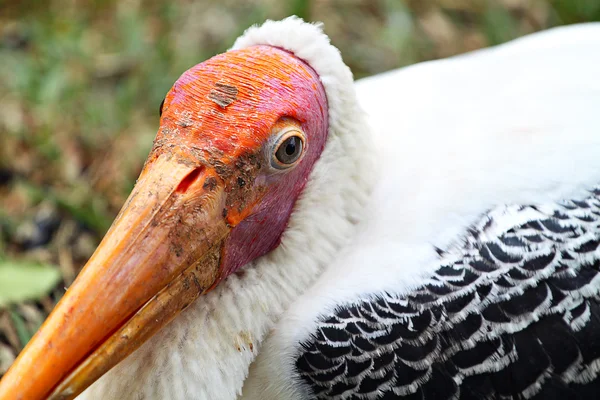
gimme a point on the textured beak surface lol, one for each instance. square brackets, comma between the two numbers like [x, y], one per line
[162, 252]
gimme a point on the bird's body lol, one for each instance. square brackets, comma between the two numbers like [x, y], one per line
[453, 139]
[445, 245]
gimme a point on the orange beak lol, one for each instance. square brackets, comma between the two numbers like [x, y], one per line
[161, 253]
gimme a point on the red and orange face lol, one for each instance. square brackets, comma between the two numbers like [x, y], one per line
[238, 137]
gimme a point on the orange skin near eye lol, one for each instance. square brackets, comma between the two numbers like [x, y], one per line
[262, 78]
[223, 113]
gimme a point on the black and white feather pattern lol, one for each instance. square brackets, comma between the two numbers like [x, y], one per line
[513, 314]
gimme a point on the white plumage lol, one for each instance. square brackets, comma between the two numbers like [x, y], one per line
[440, 144]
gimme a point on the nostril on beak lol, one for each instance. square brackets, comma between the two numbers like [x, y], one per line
[189, 180]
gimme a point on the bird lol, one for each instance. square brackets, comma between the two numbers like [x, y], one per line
[427, 233]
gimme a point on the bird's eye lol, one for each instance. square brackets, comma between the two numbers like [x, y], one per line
[288, 149]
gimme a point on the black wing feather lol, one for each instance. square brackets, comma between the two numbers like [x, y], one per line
[513, 317]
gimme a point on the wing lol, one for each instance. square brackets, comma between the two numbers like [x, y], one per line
[513, 315]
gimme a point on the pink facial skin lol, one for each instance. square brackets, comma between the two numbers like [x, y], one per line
[224, 114]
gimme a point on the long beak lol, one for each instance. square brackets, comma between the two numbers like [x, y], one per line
[161, 253]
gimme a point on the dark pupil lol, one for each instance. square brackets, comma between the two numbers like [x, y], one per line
[289, 150]
[290, 147]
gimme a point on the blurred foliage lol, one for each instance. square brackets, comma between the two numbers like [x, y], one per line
[21, 281]
[81, 83]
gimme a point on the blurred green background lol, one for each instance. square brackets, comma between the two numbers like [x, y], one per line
[81, 83]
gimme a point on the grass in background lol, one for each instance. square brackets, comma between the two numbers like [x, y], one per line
[81, 83]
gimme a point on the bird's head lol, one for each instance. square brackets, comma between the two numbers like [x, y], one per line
[239, 135]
